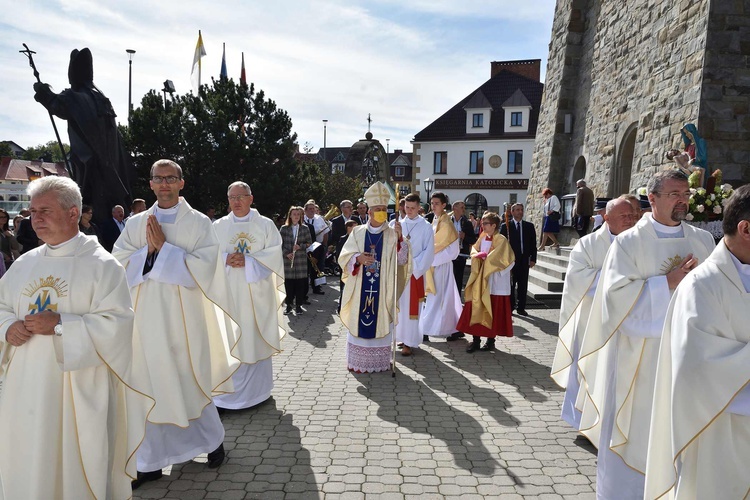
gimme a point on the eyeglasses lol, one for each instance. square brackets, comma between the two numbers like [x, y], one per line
[171, 179]
[238, 197]
[675, 195]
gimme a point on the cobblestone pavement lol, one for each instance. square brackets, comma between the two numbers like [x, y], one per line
[449, 425]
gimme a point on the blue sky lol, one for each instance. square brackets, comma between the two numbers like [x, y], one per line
[404, 62]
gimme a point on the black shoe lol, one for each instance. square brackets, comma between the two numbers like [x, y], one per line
[488, 346]
[455, 336]
[299, 310]
[307, 302]
[473, 346]
[145, 477]
[425, 338]
[216, 457]
[318, 291]
[522, 312]
[221, 410]
[288, 309]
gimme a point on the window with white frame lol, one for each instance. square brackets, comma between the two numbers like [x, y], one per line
[476, 162]
[516, 119]
[515, 161]
[441, 162]
[477, 120]
[399, 171]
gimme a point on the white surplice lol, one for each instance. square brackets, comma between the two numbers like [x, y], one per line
[421, 238]
[620, 347]
[442, 310]
[584, 266]
[257, 291]
[699, 443]
[180, 324]
[73, 408]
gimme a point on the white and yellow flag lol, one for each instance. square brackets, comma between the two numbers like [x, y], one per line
[195, 75]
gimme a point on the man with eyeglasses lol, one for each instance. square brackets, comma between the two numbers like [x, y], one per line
[620, 347]
[253, 262]
[171, 255]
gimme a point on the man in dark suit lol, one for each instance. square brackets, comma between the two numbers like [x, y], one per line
[522, 238]
[361, 215]
[112, 227]
[583, 208]
[400, 213]
[338, 224]
[466, 236]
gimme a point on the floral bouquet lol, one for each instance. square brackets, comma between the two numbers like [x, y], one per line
[708, 205]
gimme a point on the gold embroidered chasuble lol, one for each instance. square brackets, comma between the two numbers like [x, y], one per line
[181, 329]
[350, 297]
[73, 408]
[703, 369]
[257, 304]
[585, 263]
[634, 256]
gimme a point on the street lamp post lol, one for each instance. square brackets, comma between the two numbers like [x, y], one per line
[325, 158]
[428, 185]
[388, 146]
[130, 82]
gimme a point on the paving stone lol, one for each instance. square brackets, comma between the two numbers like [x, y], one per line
[450, 425]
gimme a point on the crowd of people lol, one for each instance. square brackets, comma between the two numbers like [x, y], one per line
[146, 342]
[652, 352]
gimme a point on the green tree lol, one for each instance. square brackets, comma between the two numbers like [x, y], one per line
[48, 152]
[5, 149]
[228, 132]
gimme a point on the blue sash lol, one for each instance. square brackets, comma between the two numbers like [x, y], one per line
[370, 295]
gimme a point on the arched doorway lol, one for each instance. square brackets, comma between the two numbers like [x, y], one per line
[620, 180]
[476, 203]
[579, 170]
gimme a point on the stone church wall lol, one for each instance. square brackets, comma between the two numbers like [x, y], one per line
[629, 78]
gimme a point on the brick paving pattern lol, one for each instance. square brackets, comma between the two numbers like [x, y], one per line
[450, 425]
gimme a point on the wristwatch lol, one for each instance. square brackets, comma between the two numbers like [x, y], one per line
[58, 328]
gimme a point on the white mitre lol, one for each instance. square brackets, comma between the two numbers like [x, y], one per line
[377, 194]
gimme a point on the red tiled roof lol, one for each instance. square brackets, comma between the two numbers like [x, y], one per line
[13, 169]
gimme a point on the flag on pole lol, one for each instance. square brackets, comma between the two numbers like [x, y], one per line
[243, 78]
[195, 75]
[223, 74]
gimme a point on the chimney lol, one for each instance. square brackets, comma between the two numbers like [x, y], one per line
[397, 151]
[530, 68]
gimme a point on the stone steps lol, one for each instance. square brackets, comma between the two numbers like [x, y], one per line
[547, 277]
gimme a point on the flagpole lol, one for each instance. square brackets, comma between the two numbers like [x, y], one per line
[199, 62]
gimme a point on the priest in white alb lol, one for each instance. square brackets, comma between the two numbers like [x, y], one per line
[443, 308]
[74, 404]
[700, 428]
[176, 280]
[251, 253]
[621, 343]
[374, 261]
[581, 278]
[418, 233]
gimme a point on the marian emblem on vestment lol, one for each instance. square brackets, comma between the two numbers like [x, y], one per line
[671, 264]
[45, 294]
[241, 242]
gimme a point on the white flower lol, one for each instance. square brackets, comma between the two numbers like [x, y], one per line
[692, 190]
[700, 209]
[717, 209]
[713, 197]
[701, 191]
[726, 187]
[689, 217]
[642, 191]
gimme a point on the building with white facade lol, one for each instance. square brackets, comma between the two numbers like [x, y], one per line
[480, 150]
